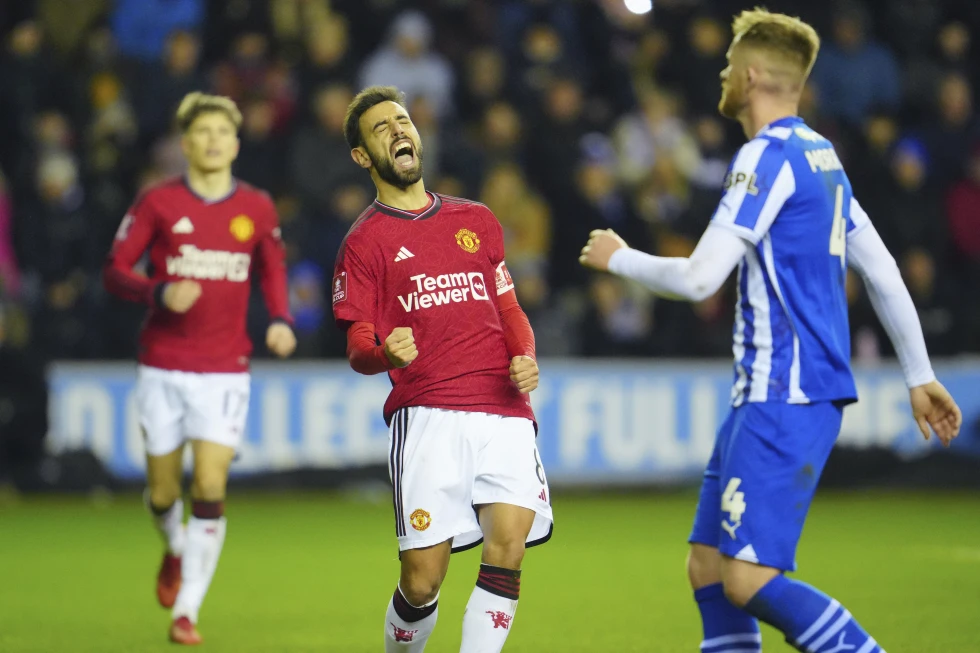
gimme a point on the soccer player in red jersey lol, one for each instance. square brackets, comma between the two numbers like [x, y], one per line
[205, 233]
[424, 274]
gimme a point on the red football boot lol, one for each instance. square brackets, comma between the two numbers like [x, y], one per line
[182, 631]
[168, 580]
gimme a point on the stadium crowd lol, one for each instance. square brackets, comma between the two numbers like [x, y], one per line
[561, 116]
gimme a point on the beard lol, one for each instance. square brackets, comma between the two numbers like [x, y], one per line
[401, 179]
[732, 102]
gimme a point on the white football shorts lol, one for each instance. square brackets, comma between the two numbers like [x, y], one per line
[176, 406]
[442, 463]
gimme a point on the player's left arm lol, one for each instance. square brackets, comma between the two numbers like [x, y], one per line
[271, 267]
[759, 181]
[932, 405]
[517, 328]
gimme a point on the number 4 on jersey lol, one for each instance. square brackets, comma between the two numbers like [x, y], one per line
[733, 502]
[838, 233]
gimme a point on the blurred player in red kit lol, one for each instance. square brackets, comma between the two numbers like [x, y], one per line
[205, 233]
[424, 275]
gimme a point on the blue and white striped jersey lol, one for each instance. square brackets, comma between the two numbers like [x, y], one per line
[786, 193]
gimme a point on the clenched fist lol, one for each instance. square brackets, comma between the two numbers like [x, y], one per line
[180, 296]
[600, 248]
[280, 339]
[524, 373]
[400, 347]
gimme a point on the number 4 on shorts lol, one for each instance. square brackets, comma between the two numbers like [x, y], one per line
[733, 502]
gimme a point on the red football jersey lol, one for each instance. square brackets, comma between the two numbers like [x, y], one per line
[216, 243]
[438, 272]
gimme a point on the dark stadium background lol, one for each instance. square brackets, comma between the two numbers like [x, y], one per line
[562, 117]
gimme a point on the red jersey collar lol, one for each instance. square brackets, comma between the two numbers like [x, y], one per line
[435, 203]
[187, 185]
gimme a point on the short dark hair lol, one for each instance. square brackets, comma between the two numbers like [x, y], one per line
[363, 101]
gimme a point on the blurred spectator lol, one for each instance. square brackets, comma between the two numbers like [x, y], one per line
[527, 230]
[328, 59]
[66, 23]
[249, 71]
[951, 54]
[64, 252]
[291, 18]
[142, 26]
[963, 211]
[554, 151]
[320, 157]
[854, 73]
[870, 167]
[619, 323]
[906, 209]
[655, 131]
[262, 158]
[934, 299]
[543, 60]
[23, 410]
[954, 128]
[406, 60]
[158, 93]
[515, 15]
[484, 82]
[307, 307]
[701, 330]
[31, 82]
[706, 182]
[704, 60]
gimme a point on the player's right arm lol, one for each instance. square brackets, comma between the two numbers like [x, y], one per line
[134, 236]
[932, 405]
[355, 290]
[759, 181]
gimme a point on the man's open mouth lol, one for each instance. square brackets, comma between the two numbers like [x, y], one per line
[404, 154]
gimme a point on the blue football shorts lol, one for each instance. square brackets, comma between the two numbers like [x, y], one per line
[761, 478]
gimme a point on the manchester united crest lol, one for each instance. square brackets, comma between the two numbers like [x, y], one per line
[242, 228]
[420, 520]
[467, 240]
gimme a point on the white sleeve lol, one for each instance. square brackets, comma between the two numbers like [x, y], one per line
[892, 303]
[692, 279]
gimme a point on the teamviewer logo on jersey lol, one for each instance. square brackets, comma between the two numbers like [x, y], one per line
[444, 289]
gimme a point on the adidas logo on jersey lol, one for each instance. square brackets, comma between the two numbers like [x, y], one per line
[403, 254]
[444, 289]
[183, 226]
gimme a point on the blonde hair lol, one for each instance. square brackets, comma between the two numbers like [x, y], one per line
[196, 104]
[789, 39]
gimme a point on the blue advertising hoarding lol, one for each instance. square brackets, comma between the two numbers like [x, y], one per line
[600, 422]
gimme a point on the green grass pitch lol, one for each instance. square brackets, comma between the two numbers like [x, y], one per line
[313, 572]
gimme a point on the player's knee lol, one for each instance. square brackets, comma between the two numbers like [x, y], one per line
[208, 487]
[703, 566]
[738, 592]
[163, 494]
[504, 551]
[743, 580]
[420, 587]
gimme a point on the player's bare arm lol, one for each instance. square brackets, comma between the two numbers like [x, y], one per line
[524, 373]
[400, 347]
